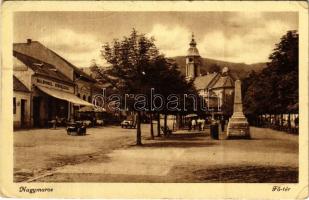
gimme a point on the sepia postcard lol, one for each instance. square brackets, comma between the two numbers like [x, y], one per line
[169, 99]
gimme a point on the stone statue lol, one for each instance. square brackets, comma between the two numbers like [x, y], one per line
[238, 126]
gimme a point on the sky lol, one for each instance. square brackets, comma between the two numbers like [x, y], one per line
[242, 37]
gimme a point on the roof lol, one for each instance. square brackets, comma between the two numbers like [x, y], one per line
[36, 50]
[193, 51]
[202, 82]
[224, 81]
[19, 86]
[41, 68]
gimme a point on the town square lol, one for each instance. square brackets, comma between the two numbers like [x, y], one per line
[164, 99]
[108, 154]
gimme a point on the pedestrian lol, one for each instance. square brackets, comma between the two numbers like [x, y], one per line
[55, 122]
[296, 120]
[222, 121]
[199, 124]
[202, 124]
[94, 121]
[193, 124]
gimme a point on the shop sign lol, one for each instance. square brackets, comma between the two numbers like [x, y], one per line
[54, 85]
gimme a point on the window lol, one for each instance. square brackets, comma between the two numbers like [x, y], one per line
[89, 99]
[14, 105]
[78, 95]
[84, 97]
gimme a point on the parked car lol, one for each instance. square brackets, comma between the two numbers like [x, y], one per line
[128, 124]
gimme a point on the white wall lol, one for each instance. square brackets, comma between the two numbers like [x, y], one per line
[23, 73]
[17, 117]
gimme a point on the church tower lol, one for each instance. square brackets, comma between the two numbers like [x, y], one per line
[193, 61]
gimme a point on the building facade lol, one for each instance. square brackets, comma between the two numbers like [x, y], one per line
[21, 104]
[56, 89]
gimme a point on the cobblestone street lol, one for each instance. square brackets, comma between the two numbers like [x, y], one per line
[108, 154]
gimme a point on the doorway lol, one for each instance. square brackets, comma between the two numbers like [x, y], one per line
[23, 113]
[36, 111]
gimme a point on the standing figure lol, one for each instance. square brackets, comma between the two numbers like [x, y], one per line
[202, 124]
[189, 123]
[199, 124]
[222, 122]
[193, 123]
[296, 120]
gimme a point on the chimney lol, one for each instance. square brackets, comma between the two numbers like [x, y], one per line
[29, 41]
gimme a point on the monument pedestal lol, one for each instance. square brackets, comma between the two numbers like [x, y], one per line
[238, 126]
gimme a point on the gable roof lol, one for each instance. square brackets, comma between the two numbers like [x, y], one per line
[224, 81]
[203, 82]
[36, 50]
[41, 68]
[19, 86]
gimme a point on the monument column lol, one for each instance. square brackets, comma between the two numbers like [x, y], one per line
[238, 126]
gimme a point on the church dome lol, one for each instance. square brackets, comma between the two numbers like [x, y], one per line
[193, 51]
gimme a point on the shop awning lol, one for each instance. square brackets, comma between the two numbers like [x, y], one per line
[64, 96]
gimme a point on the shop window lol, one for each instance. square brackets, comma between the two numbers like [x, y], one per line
[14, 105]
[89, 99]
[84, 97]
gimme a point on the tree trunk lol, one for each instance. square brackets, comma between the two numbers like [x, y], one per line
[138, 129]
[159, 126]
[289, 122]
[165, 124]
[178, 121]
[151, 127]
[281, 121]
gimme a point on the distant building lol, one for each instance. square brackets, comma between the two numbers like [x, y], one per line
[55, 87]
[214, 87]
[21, 104]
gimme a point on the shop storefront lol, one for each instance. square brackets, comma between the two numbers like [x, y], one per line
[53, 100]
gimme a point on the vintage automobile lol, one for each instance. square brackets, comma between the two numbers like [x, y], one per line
[128, 124]
[76, 128]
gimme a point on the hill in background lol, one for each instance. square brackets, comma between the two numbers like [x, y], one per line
[241, 69]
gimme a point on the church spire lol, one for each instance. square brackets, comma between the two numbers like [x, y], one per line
[193, 43]
[193, 61]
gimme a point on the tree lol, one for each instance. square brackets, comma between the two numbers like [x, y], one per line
[165, 77]
[130, 58]
[214, 68]
[136, 68]
[275, 89]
